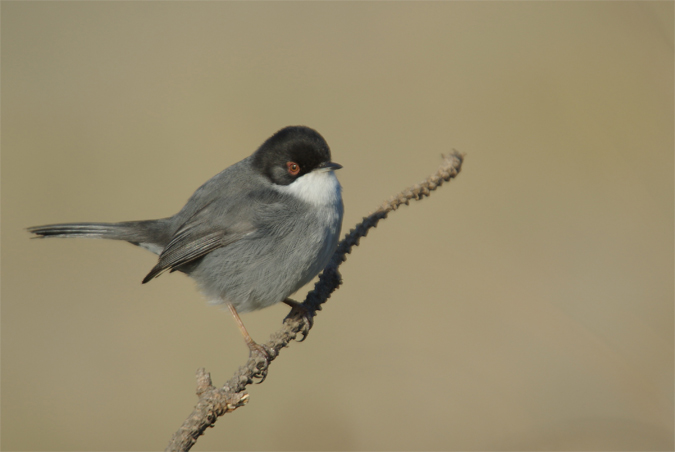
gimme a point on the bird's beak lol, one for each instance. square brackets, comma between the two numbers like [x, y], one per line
[328, 166]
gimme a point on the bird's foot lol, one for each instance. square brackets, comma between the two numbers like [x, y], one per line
[298, 310]
[262, 360]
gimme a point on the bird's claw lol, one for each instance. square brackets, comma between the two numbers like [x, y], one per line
[262, 361]
[298, 310]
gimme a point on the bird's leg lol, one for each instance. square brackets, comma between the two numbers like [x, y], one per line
[299, 310]
[252, 345]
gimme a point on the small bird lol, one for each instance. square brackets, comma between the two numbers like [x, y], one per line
[251, 235]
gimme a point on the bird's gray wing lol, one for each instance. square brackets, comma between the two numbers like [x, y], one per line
[199, 235]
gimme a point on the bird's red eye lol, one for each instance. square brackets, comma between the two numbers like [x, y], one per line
[293, 168]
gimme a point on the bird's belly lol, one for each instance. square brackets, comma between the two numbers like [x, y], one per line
[261, 271]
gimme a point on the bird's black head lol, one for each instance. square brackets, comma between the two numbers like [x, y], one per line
[292, 152]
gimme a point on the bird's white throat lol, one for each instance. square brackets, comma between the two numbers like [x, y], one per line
[319, 188]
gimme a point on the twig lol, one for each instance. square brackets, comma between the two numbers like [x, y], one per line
[214, 402]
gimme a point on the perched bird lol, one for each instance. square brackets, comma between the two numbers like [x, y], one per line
[251, 235]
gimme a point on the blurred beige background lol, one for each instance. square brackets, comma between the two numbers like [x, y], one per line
[528, 305]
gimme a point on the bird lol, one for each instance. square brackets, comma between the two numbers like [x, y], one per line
[250, 236]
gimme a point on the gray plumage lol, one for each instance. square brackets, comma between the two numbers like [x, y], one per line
[251, 235]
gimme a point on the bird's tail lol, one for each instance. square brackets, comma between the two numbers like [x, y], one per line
[154, 232]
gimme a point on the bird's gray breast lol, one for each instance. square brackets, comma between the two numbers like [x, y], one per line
[292, 242]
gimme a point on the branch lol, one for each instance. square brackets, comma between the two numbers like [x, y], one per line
[214, 402]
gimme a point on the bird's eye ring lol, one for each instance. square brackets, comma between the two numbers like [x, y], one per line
[293, 168]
